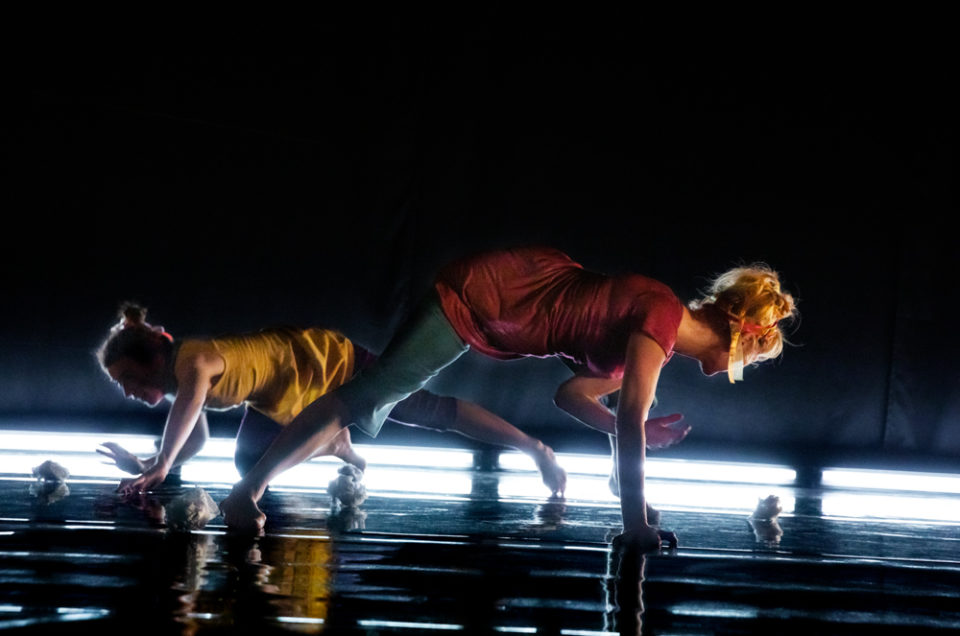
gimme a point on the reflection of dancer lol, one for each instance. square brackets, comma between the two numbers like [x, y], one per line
[538, 302]
[275, 373]
[623, 584]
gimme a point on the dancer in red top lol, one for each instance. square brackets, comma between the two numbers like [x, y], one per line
[538, 302]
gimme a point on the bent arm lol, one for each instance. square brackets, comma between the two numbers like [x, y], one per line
[580, 397]
[194, 379]
[641, 374]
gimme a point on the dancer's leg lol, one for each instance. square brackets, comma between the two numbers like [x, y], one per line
[471, 420]
[257, 432]
[300, 440]
[420, 350]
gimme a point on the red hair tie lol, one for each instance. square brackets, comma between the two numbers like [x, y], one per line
[752, 327]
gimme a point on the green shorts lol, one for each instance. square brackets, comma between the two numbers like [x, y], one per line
[419, 350]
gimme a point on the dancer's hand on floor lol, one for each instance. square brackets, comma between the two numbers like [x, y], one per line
[661, 432]
[643, 539]
[147, 481]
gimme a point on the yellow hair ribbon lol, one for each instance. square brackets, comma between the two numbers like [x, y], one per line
[735, 359]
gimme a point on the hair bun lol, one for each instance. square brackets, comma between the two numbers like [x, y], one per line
[132, 314]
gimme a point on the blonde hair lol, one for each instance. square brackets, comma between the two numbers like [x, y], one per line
[752, 294]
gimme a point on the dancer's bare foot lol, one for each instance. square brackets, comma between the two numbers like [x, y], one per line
[241, 512]
[341, 446]
[554, 476]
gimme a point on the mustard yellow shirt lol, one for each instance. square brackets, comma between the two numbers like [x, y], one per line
[276, 371]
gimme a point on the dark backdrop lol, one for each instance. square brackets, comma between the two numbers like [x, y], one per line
[324, 181]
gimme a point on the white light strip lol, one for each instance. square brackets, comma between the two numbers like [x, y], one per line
[891, 480]
[659, 468]
[713, 611]
[23, 450]
[890, 506]
[72, 444]
[415, 456]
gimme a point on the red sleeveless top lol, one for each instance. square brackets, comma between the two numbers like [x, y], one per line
[536, 301]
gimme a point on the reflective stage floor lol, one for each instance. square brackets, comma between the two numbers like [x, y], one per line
[441, 547]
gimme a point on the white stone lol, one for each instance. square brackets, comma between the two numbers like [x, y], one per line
[51, 471]
[346, 490]
[191, 510]
[768, 508]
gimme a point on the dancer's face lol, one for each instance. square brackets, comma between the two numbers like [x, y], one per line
[139, 382]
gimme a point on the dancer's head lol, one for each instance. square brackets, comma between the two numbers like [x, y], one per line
[753, 305]
[136, 355]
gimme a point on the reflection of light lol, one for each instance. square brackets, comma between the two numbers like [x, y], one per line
[891, 480]
[406, 625]
[81, 613]
[11, 608]
[302, 620]
[585, 632]
[516, 630]
[885, 506]
[714, 610]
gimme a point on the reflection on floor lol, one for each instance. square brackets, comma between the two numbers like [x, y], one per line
[452, 549]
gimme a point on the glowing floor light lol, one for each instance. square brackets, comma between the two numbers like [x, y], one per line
[902, 507]
[891, 480]
[659, 468]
